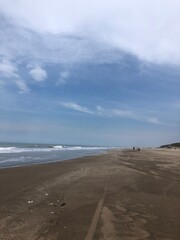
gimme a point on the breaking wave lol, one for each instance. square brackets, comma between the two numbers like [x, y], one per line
[47, 149]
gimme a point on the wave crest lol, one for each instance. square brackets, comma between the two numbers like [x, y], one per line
[48, 149]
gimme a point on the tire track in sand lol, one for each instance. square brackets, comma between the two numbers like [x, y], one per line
[95, 219]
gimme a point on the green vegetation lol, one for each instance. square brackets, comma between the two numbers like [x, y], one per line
[172, 145]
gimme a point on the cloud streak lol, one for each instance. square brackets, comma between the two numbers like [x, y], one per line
[100, 111]
[76, 107]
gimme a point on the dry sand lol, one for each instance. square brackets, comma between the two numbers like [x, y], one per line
[118, 195]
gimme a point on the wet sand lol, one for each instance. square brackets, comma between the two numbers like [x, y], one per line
[118, 195]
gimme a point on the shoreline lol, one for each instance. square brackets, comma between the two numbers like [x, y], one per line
[70, 155]
[53, 161]
[123, 194]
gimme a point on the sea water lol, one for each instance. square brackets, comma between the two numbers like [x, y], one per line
[21, 154]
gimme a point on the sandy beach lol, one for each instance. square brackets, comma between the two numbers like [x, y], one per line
[121, 194]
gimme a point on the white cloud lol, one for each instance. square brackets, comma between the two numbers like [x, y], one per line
[149, 29]
[22, 86]
[38, 73]
[128, 114]
[76, 107]
[7, 69]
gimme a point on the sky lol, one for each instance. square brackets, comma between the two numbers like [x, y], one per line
[90, 72]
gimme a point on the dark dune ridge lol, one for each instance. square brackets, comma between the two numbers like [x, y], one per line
[171, 145]
[118, 195]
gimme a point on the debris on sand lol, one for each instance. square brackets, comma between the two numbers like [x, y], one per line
[52, 204]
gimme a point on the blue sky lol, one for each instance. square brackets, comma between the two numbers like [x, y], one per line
[75, 72]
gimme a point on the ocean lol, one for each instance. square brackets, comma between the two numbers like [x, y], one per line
[21, 154]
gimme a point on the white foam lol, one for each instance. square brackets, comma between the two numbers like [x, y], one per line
[54, 148]
[7, 149]
[58, 147]
[75, 148]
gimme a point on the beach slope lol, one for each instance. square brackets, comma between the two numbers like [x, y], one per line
[121, 194]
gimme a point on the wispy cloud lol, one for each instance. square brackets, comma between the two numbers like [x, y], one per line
[135, 115]
[153, 120]
[63, 78]
[76, 107]
[7, 69]
[38, 73]
[10, 71]
[124, 113]
[22, 86]
[100, 111]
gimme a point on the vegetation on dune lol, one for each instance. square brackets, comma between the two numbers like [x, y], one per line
[172, 145]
